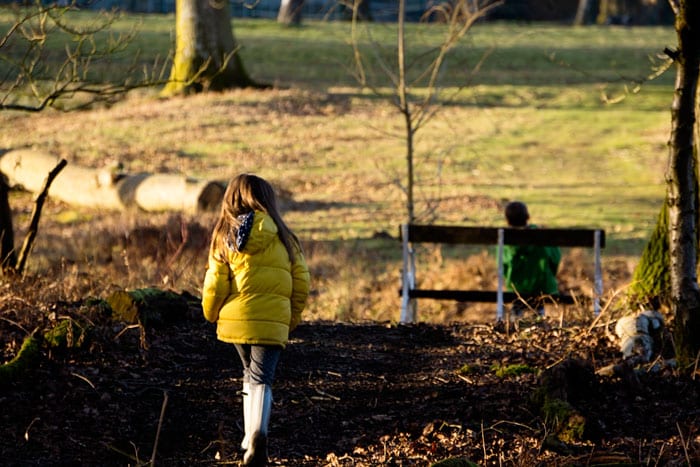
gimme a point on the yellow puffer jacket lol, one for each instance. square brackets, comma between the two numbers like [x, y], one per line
[257, 296]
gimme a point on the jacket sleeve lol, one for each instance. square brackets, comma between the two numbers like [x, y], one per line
[301, 280]
[508, 254]
[216, 288]
[554, 254]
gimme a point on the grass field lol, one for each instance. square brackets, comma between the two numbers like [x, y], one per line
[535, 123]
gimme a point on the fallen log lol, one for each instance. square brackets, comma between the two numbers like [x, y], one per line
[110, 189]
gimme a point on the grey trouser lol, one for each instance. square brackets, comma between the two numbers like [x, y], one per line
[259, 362]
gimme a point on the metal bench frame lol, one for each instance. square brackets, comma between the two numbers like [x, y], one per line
[416, 233]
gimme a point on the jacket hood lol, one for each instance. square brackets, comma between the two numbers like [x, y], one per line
[257, 231]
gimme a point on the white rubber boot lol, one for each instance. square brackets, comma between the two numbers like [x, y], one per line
[260, 408]
[246, 417]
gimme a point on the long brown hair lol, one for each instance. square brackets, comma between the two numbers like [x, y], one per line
[247, 193]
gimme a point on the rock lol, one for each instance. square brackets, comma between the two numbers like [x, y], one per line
[640, 335]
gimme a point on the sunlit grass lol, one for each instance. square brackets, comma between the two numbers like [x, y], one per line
[535, 124]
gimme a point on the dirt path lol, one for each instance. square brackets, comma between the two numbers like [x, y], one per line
[360, 395]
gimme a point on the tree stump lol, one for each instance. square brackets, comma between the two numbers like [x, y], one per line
[148, 306]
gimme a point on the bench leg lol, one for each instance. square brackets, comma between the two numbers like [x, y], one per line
[408, 279]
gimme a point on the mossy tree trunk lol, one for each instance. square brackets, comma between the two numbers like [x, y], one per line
[682, 185]
[206, 52]
[651, 281]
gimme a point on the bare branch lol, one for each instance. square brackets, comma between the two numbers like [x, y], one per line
[37, 77]
[36, 214]
[417, 109]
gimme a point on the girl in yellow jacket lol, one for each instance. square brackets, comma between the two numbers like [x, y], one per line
[255, 289]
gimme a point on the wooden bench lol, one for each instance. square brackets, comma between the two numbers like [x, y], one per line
[415, 233]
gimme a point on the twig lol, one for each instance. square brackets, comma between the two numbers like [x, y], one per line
[15, 323]
[26, 432]
[36, 214]
[509, 422]
[160, 425]
[126, 328]
[606, 307]
[323, 393]
[661, 451]
[464, 378]
[84, 379]
[683, 443]
[483, 439]
[123, 453]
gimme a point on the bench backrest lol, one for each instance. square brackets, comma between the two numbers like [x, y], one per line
[511, 236]
[416, 233]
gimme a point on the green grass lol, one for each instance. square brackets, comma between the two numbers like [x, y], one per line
[318, 53]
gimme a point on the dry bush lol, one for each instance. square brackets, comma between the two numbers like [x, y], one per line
[93, 253]
[350, 283]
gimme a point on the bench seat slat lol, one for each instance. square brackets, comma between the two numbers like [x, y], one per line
[483, 296]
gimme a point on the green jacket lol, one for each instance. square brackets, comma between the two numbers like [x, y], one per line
[257, 295]
[531, 269]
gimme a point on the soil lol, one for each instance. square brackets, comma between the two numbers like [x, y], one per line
[345, 395]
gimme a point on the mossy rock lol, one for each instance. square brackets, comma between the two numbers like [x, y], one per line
[27, 357]
[66, 334]
[148, 306]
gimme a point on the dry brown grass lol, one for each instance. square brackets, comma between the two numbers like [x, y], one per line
[337, 178]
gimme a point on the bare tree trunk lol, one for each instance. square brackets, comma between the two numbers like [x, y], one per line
[405, 109]
[603, 11]
[206, 52]
[290, 12]
[8, 257]
[682, 185]
[583, 7]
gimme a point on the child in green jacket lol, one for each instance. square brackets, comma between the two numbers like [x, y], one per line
[528, 269]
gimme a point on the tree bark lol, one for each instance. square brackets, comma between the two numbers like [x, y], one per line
[8, 256]
[682, 184]
[581, 11]
[290, 12]
[206, 52]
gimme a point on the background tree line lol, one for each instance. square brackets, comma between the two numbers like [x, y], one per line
[627, 12]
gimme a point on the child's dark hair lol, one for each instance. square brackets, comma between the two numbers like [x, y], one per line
[516, 214]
